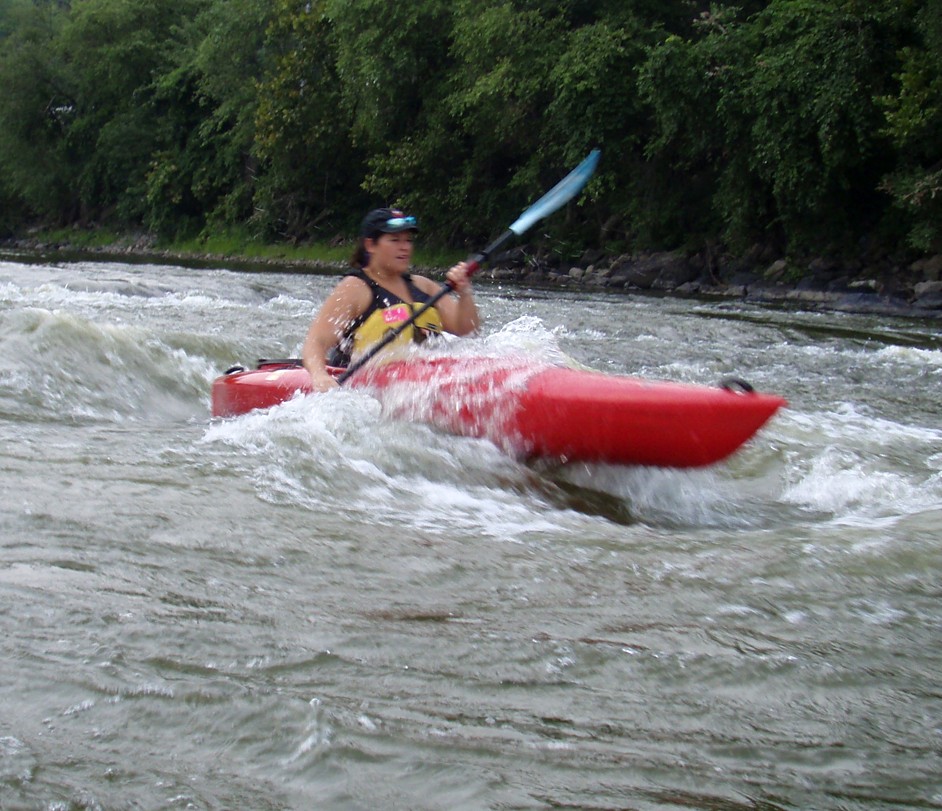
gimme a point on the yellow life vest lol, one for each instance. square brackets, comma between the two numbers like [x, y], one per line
[386, 312]
[380, 322]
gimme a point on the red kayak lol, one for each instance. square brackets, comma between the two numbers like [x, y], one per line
[534, 410]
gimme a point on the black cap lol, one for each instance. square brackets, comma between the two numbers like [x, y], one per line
[386, 221]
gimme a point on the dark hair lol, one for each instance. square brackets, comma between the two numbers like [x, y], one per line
[361, 256]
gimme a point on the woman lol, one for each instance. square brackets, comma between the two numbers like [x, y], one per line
[381, 294]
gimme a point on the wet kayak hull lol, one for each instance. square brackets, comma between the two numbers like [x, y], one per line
[536, 411]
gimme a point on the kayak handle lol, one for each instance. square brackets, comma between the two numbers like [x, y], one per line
[737, 385]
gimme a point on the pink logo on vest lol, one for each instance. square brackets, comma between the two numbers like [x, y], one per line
[394, 315]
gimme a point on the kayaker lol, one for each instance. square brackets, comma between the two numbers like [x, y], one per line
[379, 294]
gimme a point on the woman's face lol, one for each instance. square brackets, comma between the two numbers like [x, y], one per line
[391, 252]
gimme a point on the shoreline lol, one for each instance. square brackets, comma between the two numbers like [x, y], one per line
[881, 287]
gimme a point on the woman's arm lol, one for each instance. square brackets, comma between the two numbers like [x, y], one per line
[349, 299]
[459, 312]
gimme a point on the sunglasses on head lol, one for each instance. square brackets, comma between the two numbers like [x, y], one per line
[400, 222]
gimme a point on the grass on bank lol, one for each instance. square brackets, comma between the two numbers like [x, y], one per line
[79, 238]
[238, 245]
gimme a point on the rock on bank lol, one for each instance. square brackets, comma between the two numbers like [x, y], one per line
[879, 285]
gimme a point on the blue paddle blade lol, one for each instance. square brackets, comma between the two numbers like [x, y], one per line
[559, 195]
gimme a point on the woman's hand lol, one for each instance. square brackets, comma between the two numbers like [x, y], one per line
[459, 279]
[460, 314]
[322, 380]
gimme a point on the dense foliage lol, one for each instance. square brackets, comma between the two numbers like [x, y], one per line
[804, 124]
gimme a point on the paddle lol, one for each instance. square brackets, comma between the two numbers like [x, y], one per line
[559, 195]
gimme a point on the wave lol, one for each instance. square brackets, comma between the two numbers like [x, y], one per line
[62, 366]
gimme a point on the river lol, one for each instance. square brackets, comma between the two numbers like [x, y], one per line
[318, 607]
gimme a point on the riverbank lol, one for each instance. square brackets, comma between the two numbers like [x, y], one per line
[875, 285]
[879, 286]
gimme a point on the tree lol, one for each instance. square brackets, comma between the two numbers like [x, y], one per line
[38, 169]
[310, 165]
[117, 50]
[526, 90]
[914, 121]
[692, 86]
[806, 124]
[788, 132]
[205, 168]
